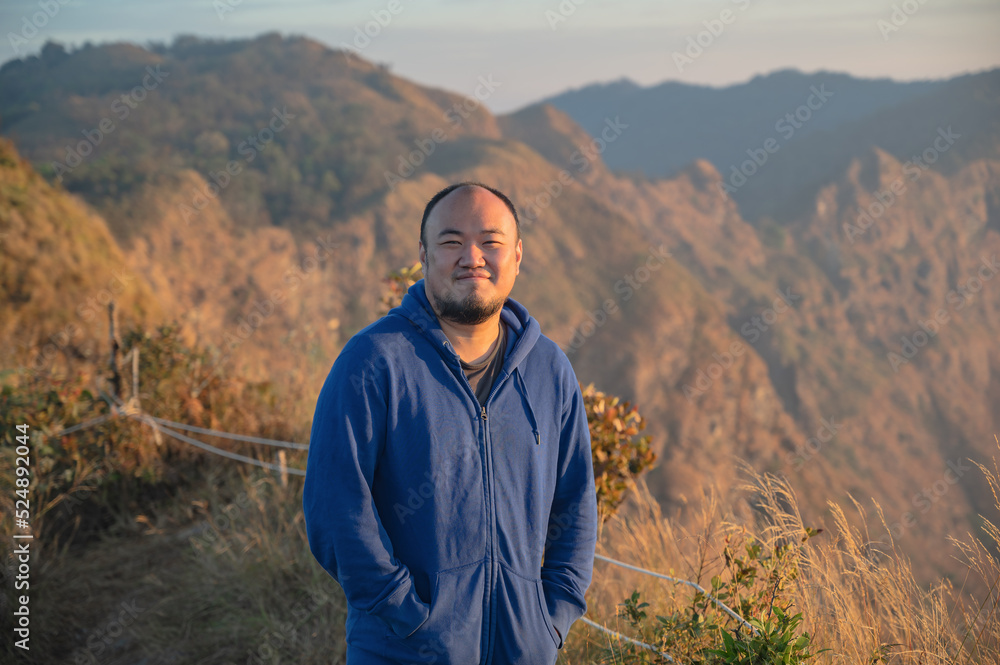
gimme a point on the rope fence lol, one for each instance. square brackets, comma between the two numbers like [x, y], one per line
[85, 424]
[235, 437]
[219, 451]
[617, 635]
[162, 425]
[676, 580]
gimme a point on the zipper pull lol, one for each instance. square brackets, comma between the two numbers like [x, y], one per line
[484, 413]
[538, 439]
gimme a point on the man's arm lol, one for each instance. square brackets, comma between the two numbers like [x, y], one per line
[569, 552]
[345, 532]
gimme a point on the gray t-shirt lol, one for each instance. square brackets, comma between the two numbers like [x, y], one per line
[482, 375]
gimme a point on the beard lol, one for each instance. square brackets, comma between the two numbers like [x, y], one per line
[471, 310]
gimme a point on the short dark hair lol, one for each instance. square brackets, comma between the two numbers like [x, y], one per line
[467, 183]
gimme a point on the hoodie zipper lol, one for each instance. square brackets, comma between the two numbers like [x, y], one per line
[491, 508]
[491, 587]
[494, 565]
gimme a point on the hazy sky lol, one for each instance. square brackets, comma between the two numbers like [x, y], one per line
[535, 49]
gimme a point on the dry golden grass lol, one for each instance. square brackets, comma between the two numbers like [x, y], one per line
[855, 589]
[240, 581]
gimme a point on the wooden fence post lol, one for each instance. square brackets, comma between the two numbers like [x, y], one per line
[116, 377]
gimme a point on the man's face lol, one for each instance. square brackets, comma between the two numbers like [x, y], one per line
[472, 255]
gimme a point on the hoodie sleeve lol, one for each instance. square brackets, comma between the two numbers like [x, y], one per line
[569, 551]
[345, 532]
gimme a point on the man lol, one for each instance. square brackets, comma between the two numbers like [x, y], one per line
[450, 487]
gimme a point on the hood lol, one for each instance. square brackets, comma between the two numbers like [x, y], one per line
[523, 327]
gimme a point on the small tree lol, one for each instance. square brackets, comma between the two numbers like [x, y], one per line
[619, 452]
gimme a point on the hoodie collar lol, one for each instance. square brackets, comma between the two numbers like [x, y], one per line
[523, 327]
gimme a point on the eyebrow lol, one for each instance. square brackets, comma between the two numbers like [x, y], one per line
[491, 230]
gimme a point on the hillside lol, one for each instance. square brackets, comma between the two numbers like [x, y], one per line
[286, 263]
[60, 266]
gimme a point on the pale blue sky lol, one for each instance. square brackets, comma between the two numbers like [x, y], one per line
[533, 54]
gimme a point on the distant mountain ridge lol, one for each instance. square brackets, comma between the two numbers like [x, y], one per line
[681, 122]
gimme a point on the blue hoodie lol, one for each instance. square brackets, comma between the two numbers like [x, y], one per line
[460, 534]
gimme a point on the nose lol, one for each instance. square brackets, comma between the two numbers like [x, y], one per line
[472, 256]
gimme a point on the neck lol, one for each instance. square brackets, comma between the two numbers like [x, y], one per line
[473, 342]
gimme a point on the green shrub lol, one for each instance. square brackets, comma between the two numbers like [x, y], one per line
[754, 587]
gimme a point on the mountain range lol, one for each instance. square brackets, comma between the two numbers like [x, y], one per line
[833, 319]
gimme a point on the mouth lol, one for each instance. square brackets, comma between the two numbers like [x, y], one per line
[473, 276]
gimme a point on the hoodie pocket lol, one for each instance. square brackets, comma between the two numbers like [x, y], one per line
[453, 630]
[524, 629]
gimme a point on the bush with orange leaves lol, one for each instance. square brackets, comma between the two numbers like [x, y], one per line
[620, 452]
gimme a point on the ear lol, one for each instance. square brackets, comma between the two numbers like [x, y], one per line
[422, 254]
[517, 256]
